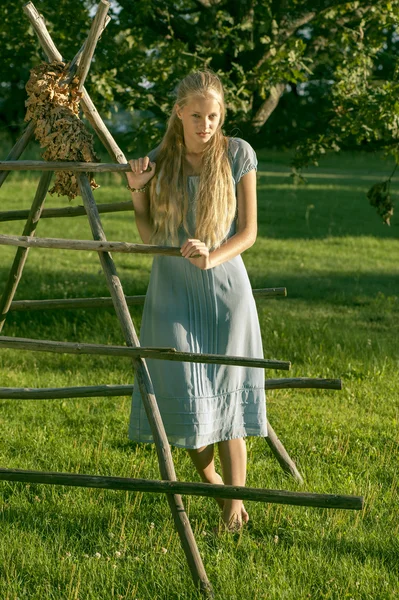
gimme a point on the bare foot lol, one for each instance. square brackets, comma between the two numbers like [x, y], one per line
[234, 526]
[244, 515]
[232, 522]
[220, 501]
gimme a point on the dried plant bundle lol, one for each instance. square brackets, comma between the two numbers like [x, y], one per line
[54, 108]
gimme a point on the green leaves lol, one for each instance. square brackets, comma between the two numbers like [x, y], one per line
[380, 197]
[337, 64]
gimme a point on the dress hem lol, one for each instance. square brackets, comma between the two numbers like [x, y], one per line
[225, 439]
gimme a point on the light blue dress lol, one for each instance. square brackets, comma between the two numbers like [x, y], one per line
[210, 311]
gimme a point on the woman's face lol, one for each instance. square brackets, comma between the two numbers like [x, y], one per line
[200, 119]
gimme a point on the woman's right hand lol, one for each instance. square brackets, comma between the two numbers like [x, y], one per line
[142, 171]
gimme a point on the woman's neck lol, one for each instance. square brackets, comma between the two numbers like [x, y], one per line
[194, 162]
[194, 154]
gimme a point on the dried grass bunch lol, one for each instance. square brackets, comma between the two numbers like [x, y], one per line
[55, 110]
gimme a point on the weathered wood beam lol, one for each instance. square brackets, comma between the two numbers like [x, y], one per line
[104, 302]
[68, 211]
[303, 383]
[73, 65]
[48, 165]
[187, 488]
[72, 303]
[90, 245]
[172, 354]
[97, 27]
[17, 343]
[88, 107]
[21, 255]
[94, 391]
[281, 454]
[93, 117]
[38, 24]
[88, 391]
[144, 382]
[18, 148]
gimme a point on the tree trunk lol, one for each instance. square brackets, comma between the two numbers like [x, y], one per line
[267, 107]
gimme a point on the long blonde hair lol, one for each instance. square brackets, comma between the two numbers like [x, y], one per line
[215, 200]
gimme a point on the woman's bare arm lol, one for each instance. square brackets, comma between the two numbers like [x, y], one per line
[137, 178]
[246, 222]
[141, 205]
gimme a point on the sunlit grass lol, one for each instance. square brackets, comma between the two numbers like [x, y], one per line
[340, 319]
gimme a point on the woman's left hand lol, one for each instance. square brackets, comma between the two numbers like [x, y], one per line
[197, 253]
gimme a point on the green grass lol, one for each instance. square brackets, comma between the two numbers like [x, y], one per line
[340, 319]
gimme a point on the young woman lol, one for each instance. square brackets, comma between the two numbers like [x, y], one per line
[197, 190]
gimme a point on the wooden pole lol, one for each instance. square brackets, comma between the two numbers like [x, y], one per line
[88, 107]
[22, 253]
[43, 165]
[95, 391]
[38, 24]
[89, 391]
[18, 148]
[303, 383]
[184, 487]
[67, 211]
[147, 392]
[73, 65]
[97, 27]
[90, 245]
[139, 351]
[104, 302]
[284, 459]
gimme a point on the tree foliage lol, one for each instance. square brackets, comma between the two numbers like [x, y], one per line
[316, 75]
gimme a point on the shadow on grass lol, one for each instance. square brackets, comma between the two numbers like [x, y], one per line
[352, 288]
[324, 207]
[351, 307]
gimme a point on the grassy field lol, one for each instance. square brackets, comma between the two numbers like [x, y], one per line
[340, 265]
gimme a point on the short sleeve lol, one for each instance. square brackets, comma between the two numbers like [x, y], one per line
[243, 158]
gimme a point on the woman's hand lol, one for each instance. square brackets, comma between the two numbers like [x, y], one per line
[142, 171]
[197, 253]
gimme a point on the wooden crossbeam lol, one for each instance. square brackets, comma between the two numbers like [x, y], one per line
[67, 211]
[95, 391]
[80, 167]
[104, 302]
[17, 343]
[188, 488]
[89, 245]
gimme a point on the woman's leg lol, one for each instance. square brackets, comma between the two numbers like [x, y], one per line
[203, 459]
[233, 458]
